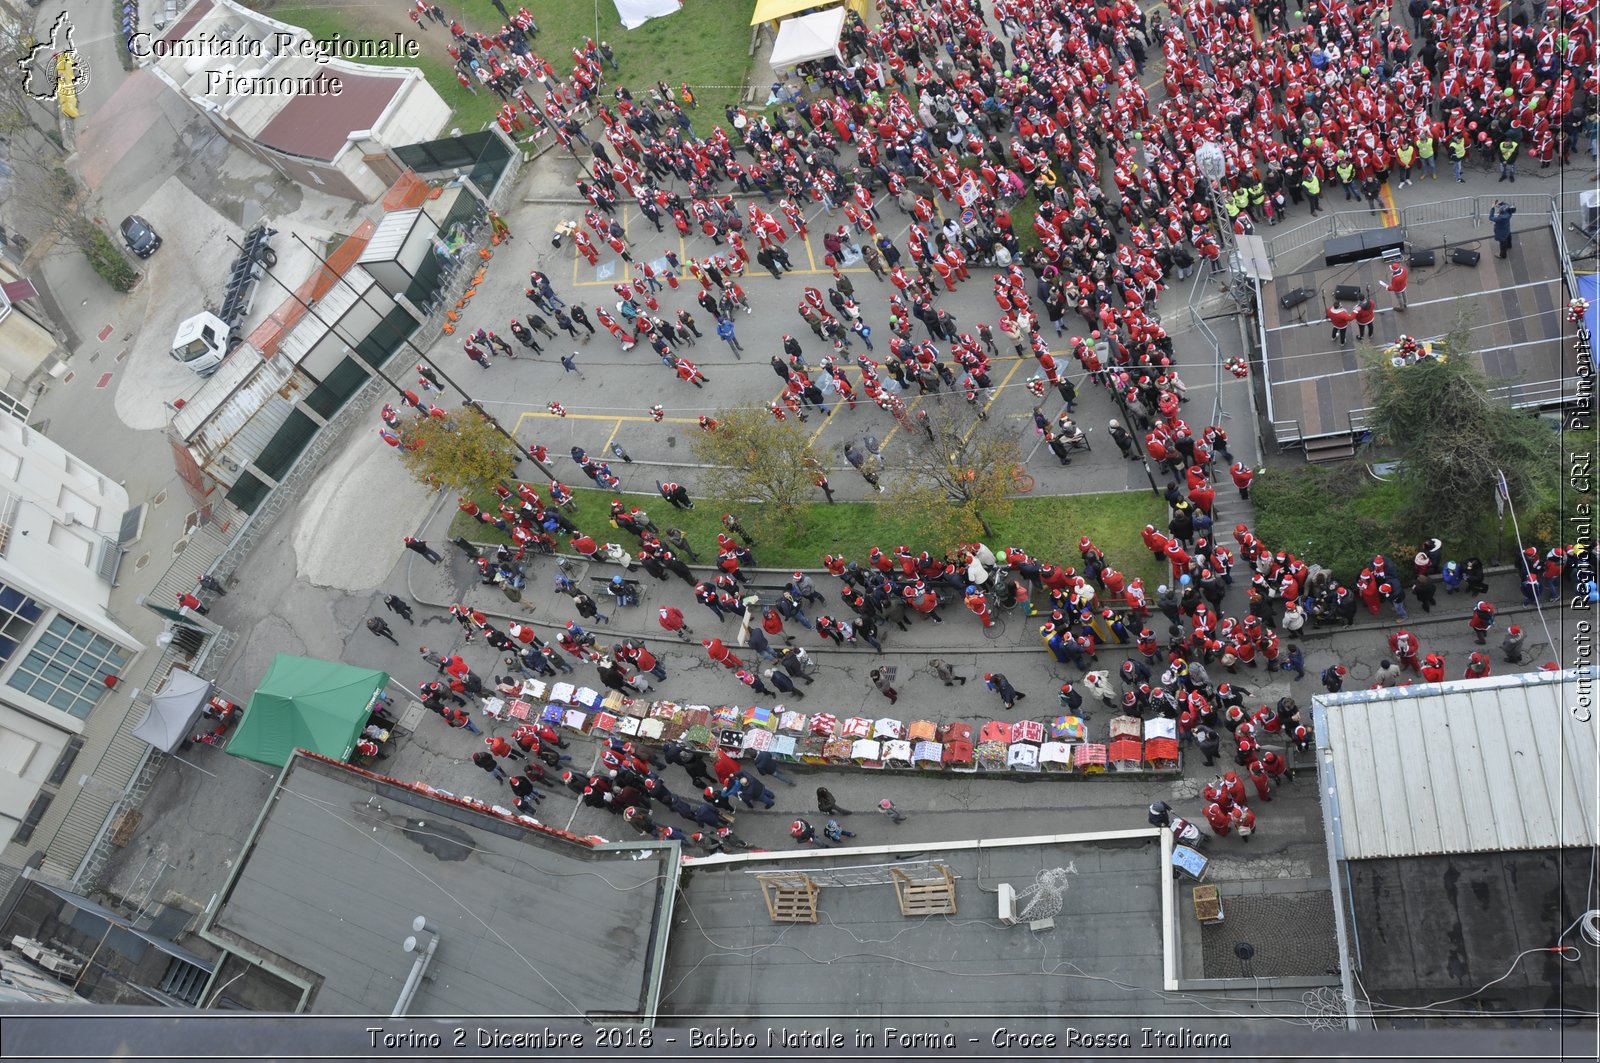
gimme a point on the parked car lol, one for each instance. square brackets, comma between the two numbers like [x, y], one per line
[140, 236]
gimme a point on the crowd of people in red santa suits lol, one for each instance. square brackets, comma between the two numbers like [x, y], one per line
[1053, 104]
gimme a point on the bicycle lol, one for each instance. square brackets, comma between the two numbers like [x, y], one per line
[1021, 480]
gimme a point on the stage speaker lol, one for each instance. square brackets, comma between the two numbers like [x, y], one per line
[1347, 293]
[1422, 258]
[1290, 300]
[1358, 247]
[1462, 256]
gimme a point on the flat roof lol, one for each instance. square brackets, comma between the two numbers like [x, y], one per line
[528, 923]
[1474, 929]
[1481, 765]
[864, 961]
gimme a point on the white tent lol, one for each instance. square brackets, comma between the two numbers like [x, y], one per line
[813, 36]
[174, 710]
[635, 13]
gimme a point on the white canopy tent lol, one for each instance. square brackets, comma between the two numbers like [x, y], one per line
[813, 36]
[635, 13]
[174, 710]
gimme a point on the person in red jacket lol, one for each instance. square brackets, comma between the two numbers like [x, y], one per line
[1243, 476]
[721, 654]
[1340, 319]
[1477, 666]
[1481, 620]
[1405, 648]
[1244, 818]
[670, 618]
[1366, 311]
[1260, 779]
[501, 748]
[189, 601]
[1433, 668]
[1220, 822]
[1399, 276]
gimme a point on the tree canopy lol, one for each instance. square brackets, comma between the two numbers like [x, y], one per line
[464, 452]
[959, 482]
[755, 458]
[1456, 438]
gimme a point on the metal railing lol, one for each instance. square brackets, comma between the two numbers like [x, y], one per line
[1474, 209]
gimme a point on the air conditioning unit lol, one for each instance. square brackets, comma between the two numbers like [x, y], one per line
[1008, 904]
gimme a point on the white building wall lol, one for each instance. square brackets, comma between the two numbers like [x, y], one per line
[54, 513]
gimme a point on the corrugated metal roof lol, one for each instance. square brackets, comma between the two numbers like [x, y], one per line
[1468, 766]
[390, 236]
[219, 388]
[325, 312]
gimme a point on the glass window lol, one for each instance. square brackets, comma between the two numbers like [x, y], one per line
[18, 614]
[68, 666]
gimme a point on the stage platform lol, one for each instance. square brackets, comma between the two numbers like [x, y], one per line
[1316, 391]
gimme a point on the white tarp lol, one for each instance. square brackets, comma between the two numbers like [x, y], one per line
[808, 37]
[635, 13]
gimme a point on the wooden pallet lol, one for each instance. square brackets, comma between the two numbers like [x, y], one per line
[1208, 904]
[925, 896]
[122, 830]
[790, 898]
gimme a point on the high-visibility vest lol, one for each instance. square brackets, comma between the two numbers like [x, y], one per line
[1405, 154]
[1458, 148]
[1508, 148]
[1312, 186]
[1345, 170]
[1425, 147]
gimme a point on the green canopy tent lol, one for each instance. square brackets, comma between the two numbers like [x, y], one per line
[304, 703]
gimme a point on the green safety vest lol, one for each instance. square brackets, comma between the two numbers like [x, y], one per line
[1508, 148]
[1312, 185]
[1345, 170]
[1258, 194]
[1405, 154]
[1425, 147]
[1234, 205]
[1458, 148]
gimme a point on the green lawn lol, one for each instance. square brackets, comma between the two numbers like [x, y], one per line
[1047, 527]
[707, 44]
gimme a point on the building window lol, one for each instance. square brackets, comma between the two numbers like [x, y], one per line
[18, 614]
[30, 821]
[67, 667]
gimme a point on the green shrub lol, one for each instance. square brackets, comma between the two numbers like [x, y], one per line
[107, 259]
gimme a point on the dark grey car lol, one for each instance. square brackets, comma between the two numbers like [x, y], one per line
[140, 236]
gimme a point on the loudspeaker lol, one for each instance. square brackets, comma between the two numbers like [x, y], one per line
[1347, 293]
[1462, 256]
[1290, 300]
[1358, 247]
[1422, 258]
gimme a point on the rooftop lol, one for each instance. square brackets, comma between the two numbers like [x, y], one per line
[1480, 765]
[1105, 961]
[528, 922]
[1461, 835]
